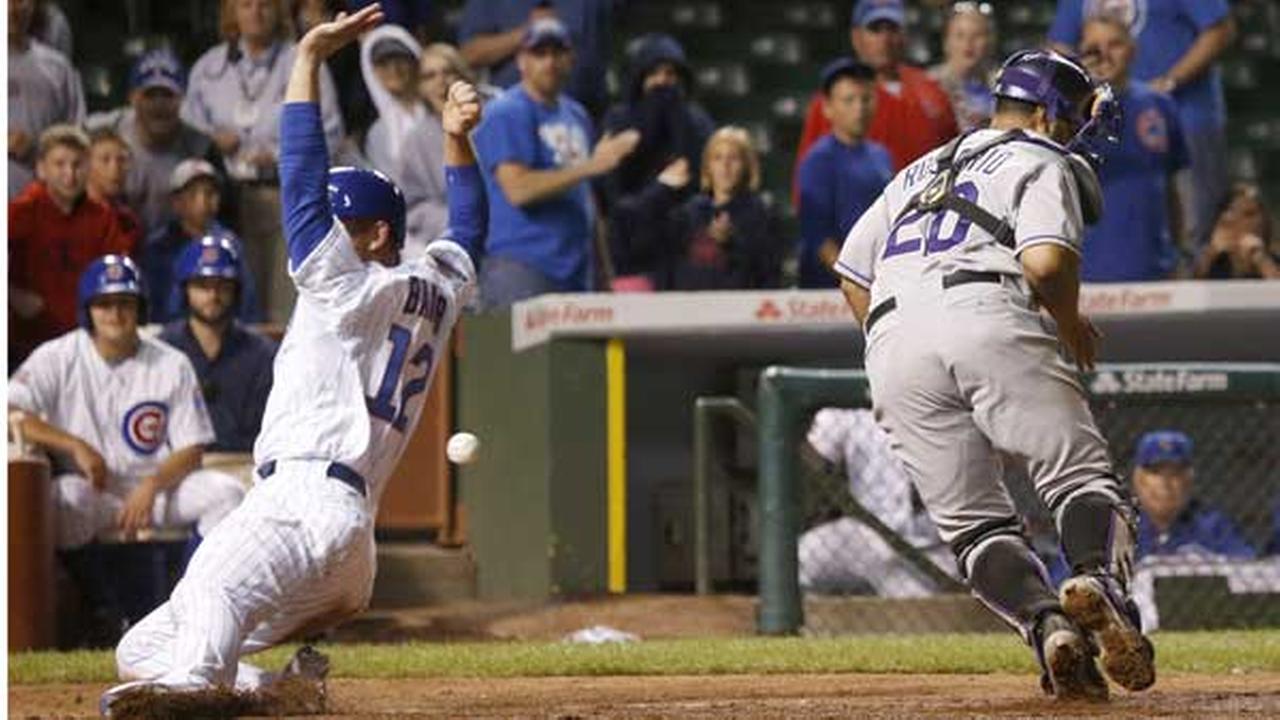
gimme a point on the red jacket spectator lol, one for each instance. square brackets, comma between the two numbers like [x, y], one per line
[48, 249]
[911, 119]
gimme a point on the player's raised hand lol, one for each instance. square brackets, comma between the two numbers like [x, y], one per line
[136, 513]
[90, 462]
[462, 112]
[327, 38]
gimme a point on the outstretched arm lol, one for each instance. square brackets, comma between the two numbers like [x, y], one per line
[304, 158]
[468, 207]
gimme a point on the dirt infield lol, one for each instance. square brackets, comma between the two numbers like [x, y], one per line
[739, 696]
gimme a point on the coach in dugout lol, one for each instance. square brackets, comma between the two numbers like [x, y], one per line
[1170, 520]
[124, 421]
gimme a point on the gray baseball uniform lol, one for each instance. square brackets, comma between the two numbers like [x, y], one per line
[960, 361]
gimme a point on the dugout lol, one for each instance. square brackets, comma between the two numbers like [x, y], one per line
[584, 404]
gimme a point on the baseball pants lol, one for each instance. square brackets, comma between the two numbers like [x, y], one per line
[959, 375]
[202, 499]
[295, 558]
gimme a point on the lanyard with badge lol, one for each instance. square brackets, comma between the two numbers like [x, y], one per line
[246, 109]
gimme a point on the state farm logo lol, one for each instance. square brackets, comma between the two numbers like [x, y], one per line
[1096, 300]
[803, 310]
[768, 310]
[567, 314]
[1139, 382]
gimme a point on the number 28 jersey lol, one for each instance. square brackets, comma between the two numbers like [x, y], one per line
[1027, 182]
[353, 370]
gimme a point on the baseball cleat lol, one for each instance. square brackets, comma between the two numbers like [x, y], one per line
[1066, 657]
[308, 663]
[120, 694]
[1098, 605]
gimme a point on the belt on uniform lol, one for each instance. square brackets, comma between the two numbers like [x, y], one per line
[336, 470]
[950, 280]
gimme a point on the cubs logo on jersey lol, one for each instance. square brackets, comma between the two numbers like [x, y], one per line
[1153, 132]
[145, 426]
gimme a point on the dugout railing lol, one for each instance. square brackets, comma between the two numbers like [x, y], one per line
[1232, 411]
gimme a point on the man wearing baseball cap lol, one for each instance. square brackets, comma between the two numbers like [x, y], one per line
[1170, 520]
[913, 113]
[535, 154]
[157, 136]
[195, 197]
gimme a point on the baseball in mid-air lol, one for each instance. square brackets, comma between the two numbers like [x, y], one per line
[462, 448]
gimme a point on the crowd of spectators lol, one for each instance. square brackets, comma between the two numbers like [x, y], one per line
[584, 195]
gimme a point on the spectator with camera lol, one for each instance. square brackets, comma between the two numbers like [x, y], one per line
[1240, 245]
[232, 364]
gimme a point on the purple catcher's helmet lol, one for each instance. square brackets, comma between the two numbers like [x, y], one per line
[110, 275]
[1062, 86]
[357, 193]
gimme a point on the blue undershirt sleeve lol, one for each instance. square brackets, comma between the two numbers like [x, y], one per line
[304, 179]
[468, 208]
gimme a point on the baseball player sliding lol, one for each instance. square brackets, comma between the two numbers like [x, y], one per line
[946, 273]
[350, 380]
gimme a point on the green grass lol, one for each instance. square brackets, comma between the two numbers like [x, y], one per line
[1205, 652]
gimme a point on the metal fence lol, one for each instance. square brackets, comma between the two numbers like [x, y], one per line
[845, 545]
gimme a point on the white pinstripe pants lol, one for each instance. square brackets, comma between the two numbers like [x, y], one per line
[295, 558]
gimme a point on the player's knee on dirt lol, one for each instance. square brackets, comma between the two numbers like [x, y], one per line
[1008, 578]
[1096, 528]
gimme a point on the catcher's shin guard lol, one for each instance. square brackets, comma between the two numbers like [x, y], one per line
[1008, 578]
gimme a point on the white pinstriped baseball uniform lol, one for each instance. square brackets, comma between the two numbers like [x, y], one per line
[135, 413]
[298, 556]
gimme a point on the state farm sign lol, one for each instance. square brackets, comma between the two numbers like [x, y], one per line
[808, 309]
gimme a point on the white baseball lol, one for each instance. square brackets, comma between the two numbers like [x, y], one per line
[462, 448]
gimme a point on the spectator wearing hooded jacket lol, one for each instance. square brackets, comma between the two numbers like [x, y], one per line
[673, 129]
[389, 61]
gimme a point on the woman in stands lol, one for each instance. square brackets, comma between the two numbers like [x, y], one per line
[1240, 246]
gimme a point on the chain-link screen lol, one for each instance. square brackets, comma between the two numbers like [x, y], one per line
[1203, 472]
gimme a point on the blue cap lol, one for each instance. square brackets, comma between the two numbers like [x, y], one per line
[546, 31]
[866, 12]
[845, 67]
[158, 68]
[1163, 446]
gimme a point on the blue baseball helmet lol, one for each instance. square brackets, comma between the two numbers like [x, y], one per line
[110, 275]
[213, 255]
[357, 193]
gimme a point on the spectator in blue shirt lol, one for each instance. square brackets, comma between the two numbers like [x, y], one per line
[1170, 521]
[535, 154]
[843, 173]
[1178, 46]
[196, 195]
[232, 363]
[1140, 233]
[492, 32]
